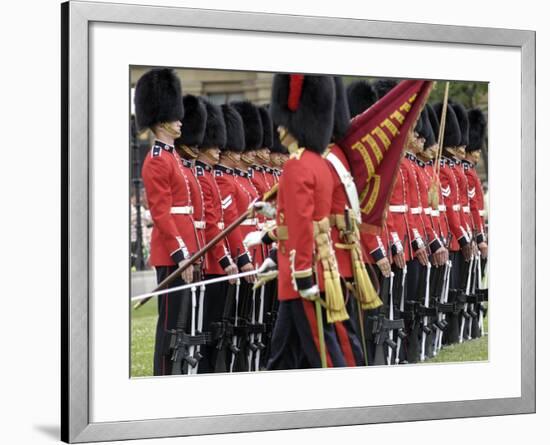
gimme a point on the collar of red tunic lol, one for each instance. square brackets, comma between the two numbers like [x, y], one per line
[163, 145]
[203, 165]
[224, 169]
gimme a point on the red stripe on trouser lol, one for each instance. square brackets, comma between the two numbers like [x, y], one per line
[345, 344]
[312, 320]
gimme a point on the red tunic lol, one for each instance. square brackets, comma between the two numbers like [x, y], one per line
[305, 191]
[428, 218]
[339, 204]
[439, 215]
[247, 194]
[170, 202]
[257, 176]
[270, 177]
[475, 197]
[453, 208]
[217, 258]
[233, 200]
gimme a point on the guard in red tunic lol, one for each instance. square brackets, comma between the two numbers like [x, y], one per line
[478, 131]
[477, 135]
[218, 259]
[460, 246]
[236, 200]
[193, 126]
[345, 220]
[159, 107]
[256, 170]
[303, 109]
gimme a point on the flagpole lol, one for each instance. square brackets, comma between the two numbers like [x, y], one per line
[442, 129]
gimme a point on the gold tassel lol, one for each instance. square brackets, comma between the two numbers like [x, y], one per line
[334, 298]
[365, 292]
[335, 305]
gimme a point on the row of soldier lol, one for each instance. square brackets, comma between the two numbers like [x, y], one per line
[298, 284]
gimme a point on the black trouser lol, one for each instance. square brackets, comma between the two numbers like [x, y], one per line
[415, 283]
[170, 311]
[214, 302]
[349, 332]
[295, 341]
[457, 285]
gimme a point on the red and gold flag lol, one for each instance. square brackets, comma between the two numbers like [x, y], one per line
[374, 145]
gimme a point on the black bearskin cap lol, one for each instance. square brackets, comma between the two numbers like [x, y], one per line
[427, 132]
[235, 129]
[158, 98]
[267, 127]
[384, 86]
[434, 120]
[341, 110]
[452, 136]
[193, 123]
[361, 95]
[478, 129]
[419, 127]
[304, 105]
[252, 122]
[214, 134]
[462, 116]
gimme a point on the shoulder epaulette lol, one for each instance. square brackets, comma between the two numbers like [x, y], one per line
[156, 151]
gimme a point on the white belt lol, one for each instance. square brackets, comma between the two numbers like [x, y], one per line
[200, 224]
[221, 226]
[416, 210]
[466, 209]
[181, 210]
[428, 210]
[250, 222]
[456, 207]
[435, 212]
[398, 209]
[442, 208]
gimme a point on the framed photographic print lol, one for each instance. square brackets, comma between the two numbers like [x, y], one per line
[276, 218]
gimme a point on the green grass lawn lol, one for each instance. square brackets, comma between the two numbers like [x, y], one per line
[143, 335]
[143, 339]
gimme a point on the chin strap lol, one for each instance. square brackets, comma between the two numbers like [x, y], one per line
[189, 151]
[170, 130]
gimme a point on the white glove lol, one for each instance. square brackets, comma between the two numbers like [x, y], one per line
[267, 265]
[265, 208]
[310, 293]
[253, 238]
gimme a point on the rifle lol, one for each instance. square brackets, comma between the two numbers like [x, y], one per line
[200, 253]
[464, 298]
[425, 328]
[401, 333]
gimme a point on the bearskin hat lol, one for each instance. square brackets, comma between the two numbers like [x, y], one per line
[304, 105]
[234, 128]
[452, 136]
[361, 95]
[419, 125]
[158, 98]
[267, 127]
[427, 130]
[434, 120]
[384, 86]
[214, 134]
[462, 116]
[341, 110]
[478, 129]
[193, 123]
[252, 122]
